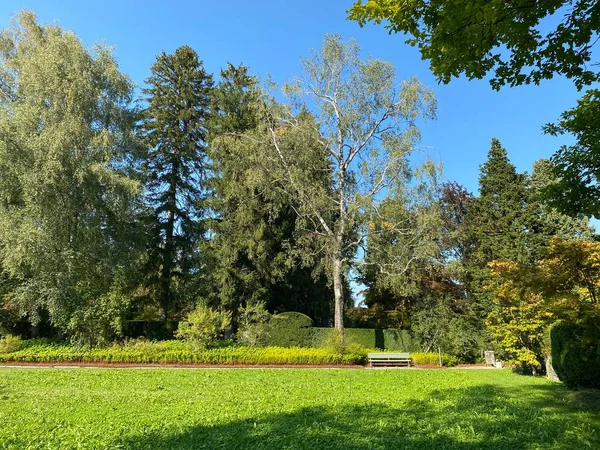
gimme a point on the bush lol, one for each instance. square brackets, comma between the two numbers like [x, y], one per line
[10, 344]
[288, 329]
[575, 349]
[254, 321]
[420, 358]
[150, 329]
[203, 327]
[99, 322]
[437, 325]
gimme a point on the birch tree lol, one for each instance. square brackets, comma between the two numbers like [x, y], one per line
[360, 132]
[67, 244]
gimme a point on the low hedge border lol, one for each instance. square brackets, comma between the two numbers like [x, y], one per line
[177, 352]
[174, 354]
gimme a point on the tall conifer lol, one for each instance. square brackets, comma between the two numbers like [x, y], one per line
[174, 128]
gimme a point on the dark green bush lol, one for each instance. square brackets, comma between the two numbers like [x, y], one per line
[150, 329]
[288, 329]
[293, 329]
[575, 351]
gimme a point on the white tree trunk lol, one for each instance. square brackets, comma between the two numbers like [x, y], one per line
[338, 291]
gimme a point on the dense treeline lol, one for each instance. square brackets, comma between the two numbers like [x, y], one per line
[212, 191]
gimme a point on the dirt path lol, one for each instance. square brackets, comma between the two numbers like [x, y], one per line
[219, 366]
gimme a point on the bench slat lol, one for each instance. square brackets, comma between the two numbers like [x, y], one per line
[380, 359]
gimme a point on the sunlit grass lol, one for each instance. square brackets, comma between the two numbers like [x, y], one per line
[289, 408]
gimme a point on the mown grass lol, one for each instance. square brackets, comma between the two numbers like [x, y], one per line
[289, 408]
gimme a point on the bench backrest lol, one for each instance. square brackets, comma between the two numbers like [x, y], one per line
[389, 355]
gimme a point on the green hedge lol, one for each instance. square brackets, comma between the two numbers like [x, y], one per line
[295, 330]
[575, 351]
[289, 329]
[175, 352]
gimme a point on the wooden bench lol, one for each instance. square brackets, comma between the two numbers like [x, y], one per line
[389, 359]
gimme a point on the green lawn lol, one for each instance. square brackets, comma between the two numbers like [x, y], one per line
[289, 408]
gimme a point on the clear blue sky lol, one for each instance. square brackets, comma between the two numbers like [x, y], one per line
[270, 36]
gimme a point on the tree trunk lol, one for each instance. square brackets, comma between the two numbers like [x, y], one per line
[168, 250]
[165, 292]
[338, 291]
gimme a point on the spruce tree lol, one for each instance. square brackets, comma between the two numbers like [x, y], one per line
[497, 221]
[174, 128]
[252, 254]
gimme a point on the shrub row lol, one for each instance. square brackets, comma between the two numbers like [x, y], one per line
[575, 351]
[430, 359]
[170, 352]
[177, 352]
[292, 329]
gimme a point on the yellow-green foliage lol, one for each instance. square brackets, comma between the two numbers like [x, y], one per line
[176, 352]
[419, 358]
[528, 299]
[10, 344]
[203, 326]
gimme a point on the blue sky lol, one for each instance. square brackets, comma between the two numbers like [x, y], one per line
[270, 37]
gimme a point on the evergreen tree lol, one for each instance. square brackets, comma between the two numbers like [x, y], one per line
[174, 128]
[252, 250]
[497, 221]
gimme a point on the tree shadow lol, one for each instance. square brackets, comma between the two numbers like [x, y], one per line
[481, 417]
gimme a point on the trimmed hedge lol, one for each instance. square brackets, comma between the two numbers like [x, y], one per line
[175, 352]
[288, 329]
[575, 349]
[397, 340]
[292, 329]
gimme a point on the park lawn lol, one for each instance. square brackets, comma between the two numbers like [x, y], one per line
[289, 408]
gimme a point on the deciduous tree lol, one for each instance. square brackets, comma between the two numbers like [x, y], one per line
[366, 128]
[66, 198]
[518, 42]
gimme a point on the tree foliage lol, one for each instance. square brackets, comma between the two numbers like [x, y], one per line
[576, 188]
[503, 37]
[529, 298]
[174, 129]
[363, 132]
[519, 42]
[253, 250]
[66, 197]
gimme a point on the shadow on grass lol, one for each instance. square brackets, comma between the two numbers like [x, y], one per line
[482, 417]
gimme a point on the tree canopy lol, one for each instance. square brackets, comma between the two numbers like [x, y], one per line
[66, 197]
[511, 39]
[516, 42]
